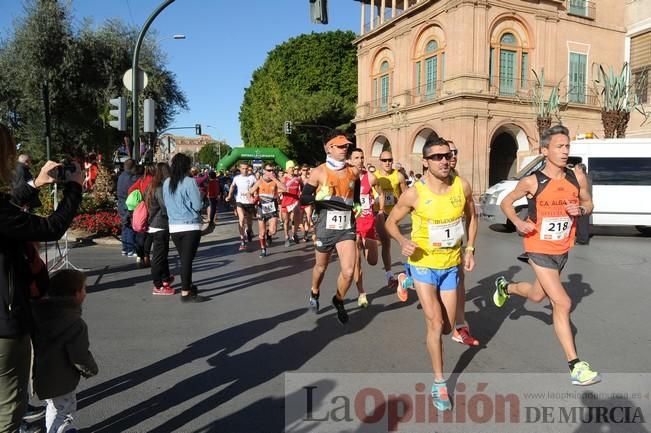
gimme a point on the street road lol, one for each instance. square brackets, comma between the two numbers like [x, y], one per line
[219, 366]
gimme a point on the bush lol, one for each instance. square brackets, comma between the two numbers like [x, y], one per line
[101, 223]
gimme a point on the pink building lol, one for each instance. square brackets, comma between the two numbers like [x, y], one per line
[462, 69]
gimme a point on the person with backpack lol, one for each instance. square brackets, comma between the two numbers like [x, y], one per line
[126, 179]
[158, 231]
[142, 239]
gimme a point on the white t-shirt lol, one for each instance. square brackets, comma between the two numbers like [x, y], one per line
[242, 185]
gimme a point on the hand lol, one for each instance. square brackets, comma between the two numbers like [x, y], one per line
[468, 261]
[525, 227]
[47, 174]
[573, 209]
[408, 248]
[77, 176]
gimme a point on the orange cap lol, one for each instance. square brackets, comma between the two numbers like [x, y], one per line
[339, 139]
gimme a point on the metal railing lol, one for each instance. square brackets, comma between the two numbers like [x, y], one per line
[582, 8]
[425, 92]
[507, 86]
[380, 105]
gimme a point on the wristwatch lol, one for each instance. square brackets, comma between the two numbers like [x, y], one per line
[470, 248]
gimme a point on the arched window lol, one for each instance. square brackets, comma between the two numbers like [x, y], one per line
[509, 64]
[429, 70]
[382, 87]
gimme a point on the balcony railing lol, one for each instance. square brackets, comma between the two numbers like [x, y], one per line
[582, 8]
[507, 86]
[380, 105]
[425, 92]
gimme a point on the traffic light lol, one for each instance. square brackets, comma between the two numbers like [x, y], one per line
[319, 11]
[120, 113]
[197, 129]
[287, 127]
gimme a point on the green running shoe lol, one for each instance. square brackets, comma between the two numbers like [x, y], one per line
[583, 375]
[501, 295]
[440, 397]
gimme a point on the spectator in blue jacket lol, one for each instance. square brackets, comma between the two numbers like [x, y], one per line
[183, 202]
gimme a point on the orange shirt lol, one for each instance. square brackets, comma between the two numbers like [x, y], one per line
[555, 229]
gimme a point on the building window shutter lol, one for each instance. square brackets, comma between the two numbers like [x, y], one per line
[418, 78]
[491, 67]
[430, 77]
[578, 63]
[507, 72]
[524, 71]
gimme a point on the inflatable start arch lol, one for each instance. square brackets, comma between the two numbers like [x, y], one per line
[265, 153]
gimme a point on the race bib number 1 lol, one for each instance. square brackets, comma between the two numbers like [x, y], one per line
[446, 235]
[338, 220]
[555, 229]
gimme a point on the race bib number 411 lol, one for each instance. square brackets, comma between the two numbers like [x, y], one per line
[555, 229]
[338, 220]
[446, 235]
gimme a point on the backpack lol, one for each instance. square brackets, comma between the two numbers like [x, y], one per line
[140, 218]
[133, 199]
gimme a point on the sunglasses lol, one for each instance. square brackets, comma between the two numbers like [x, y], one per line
[386, 160]
[268, 169]
[439, 156]
[340, 146]
[454, 152]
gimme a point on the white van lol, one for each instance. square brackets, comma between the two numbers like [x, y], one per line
[621, 177]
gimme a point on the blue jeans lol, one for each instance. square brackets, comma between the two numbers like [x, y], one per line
[128, 239]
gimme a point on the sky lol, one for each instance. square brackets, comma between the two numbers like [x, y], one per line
[226, 40]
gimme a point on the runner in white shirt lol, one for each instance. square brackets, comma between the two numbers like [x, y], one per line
[245, 207]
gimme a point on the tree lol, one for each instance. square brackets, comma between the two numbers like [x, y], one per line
[83, 69]
[210, 153]
[310, 80]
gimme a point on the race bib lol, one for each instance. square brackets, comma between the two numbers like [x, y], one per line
[338, 220]
[389, 198]
[555, 229]
[365, 201]
[446, 235]
[292, 206]
[242, 198]
[268, 207]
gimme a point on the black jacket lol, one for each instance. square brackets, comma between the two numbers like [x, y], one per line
[157, 210]
[16, 229]
[61, 347]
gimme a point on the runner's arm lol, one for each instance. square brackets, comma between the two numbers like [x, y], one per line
[526, 186]
[372, 180]
[471, 227]
[309, 190]
[255, 187]
[585, 197]
[406, 204]
[281, 186]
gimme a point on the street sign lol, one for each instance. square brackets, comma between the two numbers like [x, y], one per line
[127, 79]
[257, 164]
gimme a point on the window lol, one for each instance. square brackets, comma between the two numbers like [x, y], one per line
[382, 87]
[578, 63]
[511, 64]
[641, 65]
[578, 7]
[429, 70]
[620, 171]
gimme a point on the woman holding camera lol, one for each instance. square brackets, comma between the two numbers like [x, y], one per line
[18, 254]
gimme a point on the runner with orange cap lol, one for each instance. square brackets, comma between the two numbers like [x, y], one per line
[333, 188]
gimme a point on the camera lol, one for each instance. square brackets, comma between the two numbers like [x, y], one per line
[68, 166]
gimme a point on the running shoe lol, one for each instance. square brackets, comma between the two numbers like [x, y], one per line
[362, 301]
[583, 375]
[168, 281]
[132, 254]
[269, 238]
[392, 283]
[287, 242]
[306, 237]
[164, 290]
[342, 315]
[404, 283]
[242, 246]
[463, 337]
[314, 302]
[501, 295]
[440, 397]
[193, 298]
[249, 235]
[263, 253]
[296, 240]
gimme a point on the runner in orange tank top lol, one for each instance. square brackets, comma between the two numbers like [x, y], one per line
[556, 197]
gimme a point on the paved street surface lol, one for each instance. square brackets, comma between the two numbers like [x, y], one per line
[219, 366]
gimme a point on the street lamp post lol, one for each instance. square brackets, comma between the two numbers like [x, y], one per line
[219, 145]
[134, 77]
